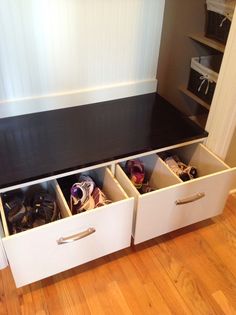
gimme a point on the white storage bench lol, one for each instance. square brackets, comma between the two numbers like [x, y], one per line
[111, 138]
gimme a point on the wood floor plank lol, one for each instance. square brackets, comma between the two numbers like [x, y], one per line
[190, 271]
[223, 243]
[13, 300]
[70, 294]
[133, 281]
[200, 256]
[3, 306]
[80, 305]
[156, 299]
[116, 304]
[28, 305]
[86, 281]
[150, 270]
[193, 292]
[126, 283]
[224, 304]
[50, 292]
[231, 202]
[38, 298]
[106, 285]
[228, 218]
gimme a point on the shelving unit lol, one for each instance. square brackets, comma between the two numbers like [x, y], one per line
[184, 90]
[176, 51]
[208, 42]
[219, 47]
[181, 42]
[200, 119]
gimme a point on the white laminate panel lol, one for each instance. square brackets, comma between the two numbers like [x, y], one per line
[35, 254]
[112, 188]
[61, 202]
[162, 176]
[156, 172]
[129, 189]
[202, 158]
[158, 213]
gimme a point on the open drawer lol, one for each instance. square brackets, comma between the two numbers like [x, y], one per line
[49, 249]
[175, 204]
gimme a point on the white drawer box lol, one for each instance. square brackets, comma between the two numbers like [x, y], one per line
[176, 204]
[36, 253]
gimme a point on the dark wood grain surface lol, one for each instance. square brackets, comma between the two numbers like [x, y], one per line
[48, 143]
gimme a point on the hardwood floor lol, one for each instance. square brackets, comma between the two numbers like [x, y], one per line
[189, 271]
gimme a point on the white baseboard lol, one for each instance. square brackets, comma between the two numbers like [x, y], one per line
[28, 105]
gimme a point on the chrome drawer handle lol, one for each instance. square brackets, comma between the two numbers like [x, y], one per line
[75, 237]
[190, 198]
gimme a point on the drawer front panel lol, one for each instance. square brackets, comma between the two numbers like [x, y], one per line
[36, 254]
[158, 212]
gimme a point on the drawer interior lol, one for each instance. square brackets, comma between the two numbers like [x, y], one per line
[157, 174]
[103, 179]
[28, 194]
[198, 156]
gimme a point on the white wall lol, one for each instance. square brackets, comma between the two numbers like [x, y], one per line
[66, 52]
[231, 154]
[181, 18]
[221, 121]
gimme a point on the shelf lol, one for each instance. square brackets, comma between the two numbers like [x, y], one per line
[184, 90]
[208, 42]
[200, 119]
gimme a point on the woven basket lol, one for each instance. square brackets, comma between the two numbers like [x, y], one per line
[203, 76]
[218, 18]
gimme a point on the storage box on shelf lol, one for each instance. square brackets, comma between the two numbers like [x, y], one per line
[73, 240]
[203, 76]
[219, 17]
[175, 204]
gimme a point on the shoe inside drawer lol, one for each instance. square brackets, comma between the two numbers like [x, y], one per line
[196, 156]
[155, 172]
[29, 207]
[90, 190]
[75, 240]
